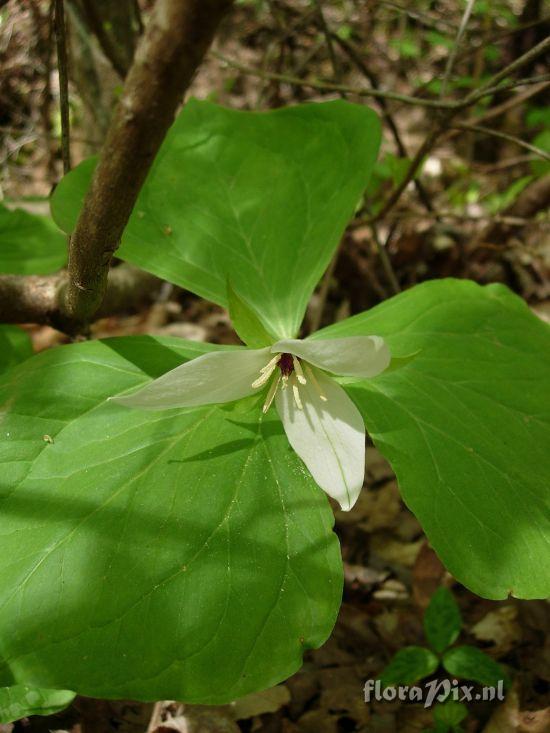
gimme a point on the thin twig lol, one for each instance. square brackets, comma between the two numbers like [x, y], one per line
[385, 258]
[519, 98]
[499, 88]
[139, 19]
[99, 29]
[327, 86]
[328, 38]
[493, 84]
[355, 56]
[423, 18]
[62, 66]
[500, 109]
[422, 216]
[504, 136]
[452, 56]
[416, 162]
[317, 314]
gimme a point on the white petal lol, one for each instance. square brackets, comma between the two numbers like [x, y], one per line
[220, 376]
[355, 356]
[328, 436]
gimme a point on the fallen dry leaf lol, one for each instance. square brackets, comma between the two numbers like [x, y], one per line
[500, 627]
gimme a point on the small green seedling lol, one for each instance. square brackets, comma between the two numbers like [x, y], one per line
[442, 625]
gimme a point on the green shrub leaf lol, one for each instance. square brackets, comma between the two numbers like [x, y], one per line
[466, 426]
[470, 663]
[15, 346]
[409, 665]
[29, 244]
[20, 702]
[442, 620]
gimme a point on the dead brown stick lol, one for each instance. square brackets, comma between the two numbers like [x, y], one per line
[175, 41]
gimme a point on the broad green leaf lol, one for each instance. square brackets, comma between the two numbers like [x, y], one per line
[246, 323]
[21, 701]
[15, 346]
[442, 620]
[29, 244]
[183, 554]
[257, 198]
[409, 665]
[466, 427]
[470, 663]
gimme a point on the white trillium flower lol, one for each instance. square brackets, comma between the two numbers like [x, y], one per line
[321, 422]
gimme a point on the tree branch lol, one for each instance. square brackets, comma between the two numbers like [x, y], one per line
[177, 36]
[38, 299]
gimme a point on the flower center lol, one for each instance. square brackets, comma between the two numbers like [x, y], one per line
[291, 372]
[286, 365]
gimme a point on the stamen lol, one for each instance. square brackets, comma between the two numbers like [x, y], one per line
[296, 393]
[271, 394]
[316, 384]
[270, 366]
[298, 370]
[266, 373]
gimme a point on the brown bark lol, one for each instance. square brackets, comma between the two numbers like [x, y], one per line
[37, 299]
[176, 38]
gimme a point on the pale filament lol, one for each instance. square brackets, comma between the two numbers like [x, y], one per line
[266, 373]
[271, 394]
[296, 393]
[298, 369]
[316, 384]
[270, 366]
